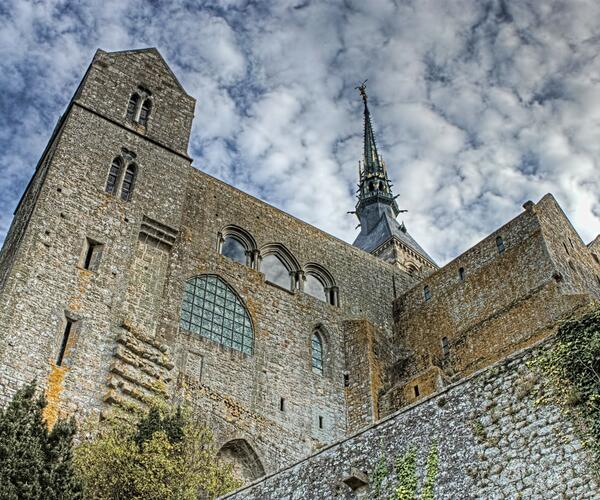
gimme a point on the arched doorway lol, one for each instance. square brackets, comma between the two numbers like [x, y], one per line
[246, 465]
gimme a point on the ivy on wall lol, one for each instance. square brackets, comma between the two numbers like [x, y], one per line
[407, 477]
[572, 365]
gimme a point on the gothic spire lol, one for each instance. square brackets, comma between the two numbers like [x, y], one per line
[371, 160]
[374, 187]
[376, 207]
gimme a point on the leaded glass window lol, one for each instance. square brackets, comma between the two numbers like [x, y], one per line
[317, 354]
[212, 309]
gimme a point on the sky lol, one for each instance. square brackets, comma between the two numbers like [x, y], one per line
[477, 106]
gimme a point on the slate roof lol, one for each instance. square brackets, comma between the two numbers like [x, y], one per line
[384, 230]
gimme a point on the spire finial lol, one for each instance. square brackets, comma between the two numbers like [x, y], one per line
[362, 89]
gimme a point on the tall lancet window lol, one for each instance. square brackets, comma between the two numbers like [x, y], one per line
[128, 180]
[132, 106]
[317, 354]
[145, 112]
[113, 175]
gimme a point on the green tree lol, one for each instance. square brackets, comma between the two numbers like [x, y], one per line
[163, 454]
[35, 462]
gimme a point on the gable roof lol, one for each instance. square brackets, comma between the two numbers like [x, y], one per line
[153, 50]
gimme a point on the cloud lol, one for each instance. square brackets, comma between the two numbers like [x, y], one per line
[477, 105]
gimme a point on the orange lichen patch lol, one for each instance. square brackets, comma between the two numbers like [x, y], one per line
[53, 391]
[375, 374]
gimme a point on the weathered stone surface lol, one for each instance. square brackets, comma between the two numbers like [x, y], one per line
[267, 408]
[488, 446]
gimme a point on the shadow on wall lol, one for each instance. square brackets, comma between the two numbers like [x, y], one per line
[246, 465]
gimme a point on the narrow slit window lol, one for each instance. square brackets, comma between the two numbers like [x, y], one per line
[445, 347]
[132, 106]
[65, 342]
[500, 244]
[461, 274]
[416, 388]
[281, 404]
[346, 380]
[145, 112]
[113, 175]
[320, 422]
[128, 180]
[92, 255]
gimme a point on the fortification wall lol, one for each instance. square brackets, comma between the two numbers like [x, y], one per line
[499, 296]
[490, 435]
[579, 271]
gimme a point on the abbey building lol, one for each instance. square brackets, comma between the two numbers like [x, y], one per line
[128, 273]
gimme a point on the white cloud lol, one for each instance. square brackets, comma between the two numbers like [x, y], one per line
[477, 106]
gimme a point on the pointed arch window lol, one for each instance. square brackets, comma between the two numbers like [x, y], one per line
[132, 106]
[212, 309]
[145, 112]
[128, 181]
[113, 175]
[317, 353]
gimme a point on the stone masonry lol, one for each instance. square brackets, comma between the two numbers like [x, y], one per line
[100, 267]
[493, 439]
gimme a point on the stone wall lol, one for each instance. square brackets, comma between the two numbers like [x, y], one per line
[497, 297]
[492, 435]
[151, 244]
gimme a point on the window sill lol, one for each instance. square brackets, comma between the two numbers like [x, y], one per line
[291, 292]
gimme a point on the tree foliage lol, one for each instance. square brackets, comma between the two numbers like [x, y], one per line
[163, 454]
[35, 463]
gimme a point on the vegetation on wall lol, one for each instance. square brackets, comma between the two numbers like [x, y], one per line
[35, 462]
[572, 365]
[407, 476]
[164, 454]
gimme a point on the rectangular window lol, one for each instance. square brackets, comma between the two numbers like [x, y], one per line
[91, 255]
[416, 391]
[320, 422]
[282, 404]
[65, 347]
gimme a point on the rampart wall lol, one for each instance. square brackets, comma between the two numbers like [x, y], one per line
[489, 434]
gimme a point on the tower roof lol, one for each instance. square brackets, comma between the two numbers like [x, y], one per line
[371, 161]
[376, 207]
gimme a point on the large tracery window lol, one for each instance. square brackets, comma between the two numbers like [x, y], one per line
[317, 354]
[211, 308]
